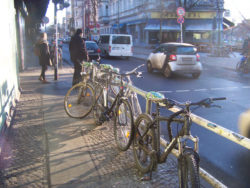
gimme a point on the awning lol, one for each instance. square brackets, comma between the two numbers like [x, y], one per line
[115, 26]
[135, 22]
[167, 25]
[201, 25]
[227, 23]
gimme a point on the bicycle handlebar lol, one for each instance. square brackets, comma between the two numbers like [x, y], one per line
[204, 102]
[138, 74]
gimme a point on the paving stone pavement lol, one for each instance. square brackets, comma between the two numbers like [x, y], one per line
[46, 148]
[23, 159]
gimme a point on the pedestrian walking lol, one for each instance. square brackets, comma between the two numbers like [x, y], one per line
[42, 51]
[78, 53]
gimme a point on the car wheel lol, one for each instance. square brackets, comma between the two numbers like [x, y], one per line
[167, 72]
[196, 75]
[149, 67]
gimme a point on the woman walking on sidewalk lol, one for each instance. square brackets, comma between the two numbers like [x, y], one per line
[44, 55]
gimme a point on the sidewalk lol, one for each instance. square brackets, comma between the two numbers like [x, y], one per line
[46, 148]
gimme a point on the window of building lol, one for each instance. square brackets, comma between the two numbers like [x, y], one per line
[106, 10]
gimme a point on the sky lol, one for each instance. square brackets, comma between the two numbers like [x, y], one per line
[50, 14]
[236, 7]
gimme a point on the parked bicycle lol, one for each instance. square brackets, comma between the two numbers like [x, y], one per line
[119, 108]
[79, 100]
[146, 143]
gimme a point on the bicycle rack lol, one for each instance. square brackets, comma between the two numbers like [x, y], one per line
[226, 133]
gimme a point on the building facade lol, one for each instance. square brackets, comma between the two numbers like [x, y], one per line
[84, 14]
[153, 21]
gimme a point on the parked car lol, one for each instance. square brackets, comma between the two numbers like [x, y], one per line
[93, 50]
[116, 45]
[175, 58]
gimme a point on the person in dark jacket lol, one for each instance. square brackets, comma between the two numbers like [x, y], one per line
[78, 53]
[44, 55]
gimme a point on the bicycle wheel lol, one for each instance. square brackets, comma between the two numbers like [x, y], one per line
[98, 108]
[79, 100]
[143, 145]
[188, 169]
[123, 125]
[239, 67]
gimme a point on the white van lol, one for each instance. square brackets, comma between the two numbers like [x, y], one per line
[116, 45]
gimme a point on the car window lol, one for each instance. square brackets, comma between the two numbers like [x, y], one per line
[104, 39]
[120, 40]
[157, 50]
[186, 50]
[91, 46]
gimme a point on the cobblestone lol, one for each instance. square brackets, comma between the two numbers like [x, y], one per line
[23, 155]
[114, 166]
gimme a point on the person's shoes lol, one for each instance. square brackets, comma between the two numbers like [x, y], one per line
[40, 78]
[45, 82]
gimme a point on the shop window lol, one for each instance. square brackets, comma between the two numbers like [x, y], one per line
[197, 36]
[205, 35]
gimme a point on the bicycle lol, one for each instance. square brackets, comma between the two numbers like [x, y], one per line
[243, 65]
[119, 108]
[146, 143]
[79, 99]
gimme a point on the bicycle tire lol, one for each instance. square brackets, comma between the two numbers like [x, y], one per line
[79, 103]
[98, 108]
[238, 67]
[123, 125]
[143, 160]
[188, 169]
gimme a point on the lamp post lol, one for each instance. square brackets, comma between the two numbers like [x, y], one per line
[62, 5]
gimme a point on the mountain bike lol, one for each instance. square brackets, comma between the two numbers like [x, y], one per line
[146, 143]
[119, 108]
[79, 100]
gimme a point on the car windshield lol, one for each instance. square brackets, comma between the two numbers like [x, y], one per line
[186, 50]
[91, 46]
[120, 40]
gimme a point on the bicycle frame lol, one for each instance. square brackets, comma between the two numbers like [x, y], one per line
[180, 139]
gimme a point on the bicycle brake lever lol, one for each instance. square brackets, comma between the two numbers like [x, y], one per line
[139, 75]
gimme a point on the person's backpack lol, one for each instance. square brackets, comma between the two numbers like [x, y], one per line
[37, 50]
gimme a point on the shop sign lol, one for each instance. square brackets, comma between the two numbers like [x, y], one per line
[189, 15]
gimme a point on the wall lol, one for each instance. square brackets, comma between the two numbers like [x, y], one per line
[9, 83]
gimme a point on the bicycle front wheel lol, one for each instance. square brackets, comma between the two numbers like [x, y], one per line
[79, 100]
[123, 125]
[144, 144]
[188, 169]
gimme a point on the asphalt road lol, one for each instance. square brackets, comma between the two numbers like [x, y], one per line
[224, 159]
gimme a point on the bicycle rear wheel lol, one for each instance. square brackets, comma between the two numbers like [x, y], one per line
[188, 169]
[143, 145]
[123, 125]
[79, 100]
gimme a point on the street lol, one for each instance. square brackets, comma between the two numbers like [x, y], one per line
[224, 159]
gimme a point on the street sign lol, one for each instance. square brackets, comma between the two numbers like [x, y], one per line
[180, 11]
[180, 20]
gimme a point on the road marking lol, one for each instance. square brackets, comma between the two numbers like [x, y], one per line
[231, 88]
[246, 87]
[204, 89]
[200, 89]
[182, 90]
[165, 91]
[219, 88]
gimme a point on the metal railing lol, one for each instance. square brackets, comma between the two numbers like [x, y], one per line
[226, 133]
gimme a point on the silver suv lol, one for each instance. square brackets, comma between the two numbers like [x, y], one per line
[175, 58]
